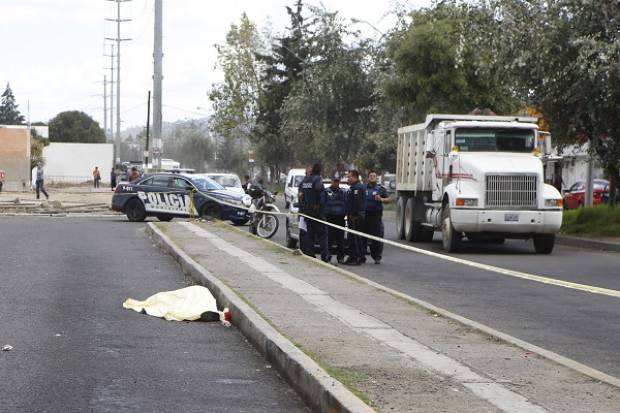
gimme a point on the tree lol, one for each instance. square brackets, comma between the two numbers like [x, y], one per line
[75, 126]
[328, 111]
[235, 100]
[283, 67]
[191, 145]
[564, 57]
[9, 114]
[445, 61]
[37, 143]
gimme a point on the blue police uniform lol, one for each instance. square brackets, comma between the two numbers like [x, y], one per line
[374, 219]
[356, 212]
[312, 205]
[335, 209]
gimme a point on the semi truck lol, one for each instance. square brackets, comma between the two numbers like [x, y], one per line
[475, 177]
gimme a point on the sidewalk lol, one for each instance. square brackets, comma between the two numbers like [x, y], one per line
[395, 355]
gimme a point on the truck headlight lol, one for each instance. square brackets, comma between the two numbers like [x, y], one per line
[246, 200]
[467, 202]
[554, 203]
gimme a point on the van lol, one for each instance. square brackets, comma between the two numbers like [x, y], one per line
[291, 186]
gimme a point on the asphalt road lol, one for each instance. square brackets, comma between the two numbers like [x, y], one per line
[579, 325]
[76, 349]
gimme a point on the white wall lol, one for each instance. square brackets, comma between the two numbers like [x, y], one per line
[74, 162]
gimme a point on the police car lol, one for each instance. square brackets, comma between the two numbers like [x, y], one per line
[168, 195]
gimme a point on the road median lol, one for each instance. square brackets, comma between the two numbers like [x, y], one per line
[393, 353]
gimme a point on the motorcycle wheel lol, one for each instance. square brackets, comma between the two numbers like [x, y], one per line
[267, 226]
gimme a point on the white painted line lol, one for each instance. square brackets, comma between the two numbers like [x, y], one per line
[483, 387]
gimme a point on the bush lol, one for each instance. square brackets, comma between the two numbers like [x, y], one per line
[601, 221]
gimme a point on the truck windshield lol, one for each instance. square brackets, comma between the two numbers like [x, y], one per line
[494, 140]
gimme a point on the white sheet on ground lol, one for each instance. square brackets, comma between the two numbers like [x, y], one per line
[185, 304]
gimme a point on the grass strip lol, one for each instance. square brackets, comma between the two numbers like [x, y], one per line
[596, 221]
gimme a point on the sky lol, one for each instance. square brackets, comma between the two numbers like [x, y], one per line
[52, 51]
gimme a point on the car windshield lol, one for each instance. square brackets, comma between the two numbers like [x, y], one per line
[494, 140]
[227, 180]
[297, 180]
[206, 184]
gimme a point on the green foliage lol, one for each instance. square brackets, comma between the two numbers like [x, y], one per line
[598, 221]
[77, 127]
[9, 113]
[444, 62]
[37, 144]
[282, 68]
[328, 111]
[235, 100]
[564, 57]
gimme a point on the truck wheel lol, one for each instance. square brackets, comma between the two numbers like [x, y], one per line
[451, 239]
[400, 217]
[543, 243]
[135, 211]
[413, 229]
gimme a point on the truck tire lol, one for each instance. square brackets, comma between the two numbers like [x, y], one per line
[400, 217]
[412, 228]
[543, 243]
[451, 239]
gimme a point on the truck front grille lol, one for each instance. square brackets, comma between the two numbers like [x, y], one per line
[511, 191]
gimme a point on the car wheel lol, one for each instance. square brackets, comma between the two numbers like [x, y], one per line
[135, 211]
[165, 218]
[451, 239]
[543, 243]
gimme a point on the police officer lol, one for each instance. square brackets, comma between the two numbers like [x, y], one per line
[311, 198]
[356, 212]
[334, 200]
[376, 196]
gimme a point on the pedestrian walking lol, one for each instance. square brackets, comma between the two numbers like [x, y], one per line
[39, 181]
[376, 196]
[113, 179]
[96, 177]
[356, 212]
[334, 200]
[311, 199]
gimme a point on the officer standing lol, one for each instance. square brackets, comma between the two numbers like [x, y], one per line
[376, 196]
[356, 212]
[310, 198]
[334, 212]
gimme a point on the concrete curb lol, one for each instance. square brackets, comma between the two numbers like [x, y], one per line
[318, 389]
[549, 355]
[587, 243]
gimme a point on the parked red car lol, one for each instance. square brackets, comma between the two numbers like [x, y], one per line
[574, 197]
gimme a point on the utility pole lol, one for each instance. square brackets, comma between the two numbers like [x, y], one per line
[157, 82]
[111, 82]
[118, 41]
[105, 105]
[148, 121]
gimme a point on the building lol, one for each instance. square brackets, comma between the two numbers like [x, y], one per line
[15, 157]
[73, 163]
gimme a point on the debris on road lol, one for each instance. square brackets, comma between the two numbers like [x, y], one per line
[7, 347]
[191, 303]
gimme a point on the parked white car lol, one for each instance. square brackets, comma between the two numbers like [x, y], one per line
[291, 187]
[228, 181]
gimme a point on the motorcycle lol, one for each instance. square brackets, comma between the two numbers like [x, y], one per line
[262, 224]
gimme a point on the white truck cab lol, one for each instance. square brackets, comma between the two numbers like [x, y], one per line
[479, 177]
